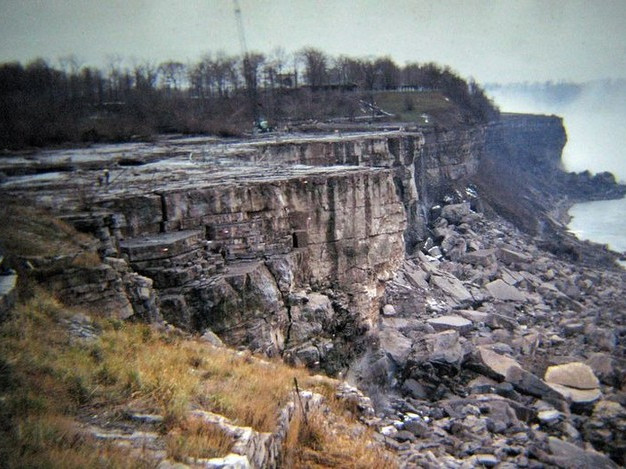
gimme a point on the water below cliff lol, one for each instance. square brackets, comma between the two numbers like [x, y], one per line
[601, 221]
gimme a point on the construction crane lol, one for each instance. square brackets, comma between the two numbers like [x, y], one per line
[248, 74]
[242, 36]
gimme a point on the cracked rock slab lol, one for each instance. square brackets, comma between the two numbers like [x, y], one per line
[452, 287]
[451, 322]
[494, 364]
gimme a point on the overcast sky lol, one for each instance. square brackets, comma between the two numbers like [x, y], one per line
[490, 40]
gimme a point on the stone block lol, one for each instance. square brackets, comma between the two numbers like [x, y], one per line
[571, 456]
[510, 256]
[574, 375]
[452, 287]
[483, 257]
[505, 292]
[395, 344]
[163, 245]
[457, 323]
[493, 364]
[454, 213]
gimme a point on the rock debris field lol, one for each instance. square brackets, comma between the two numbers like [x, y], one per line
[503, 356]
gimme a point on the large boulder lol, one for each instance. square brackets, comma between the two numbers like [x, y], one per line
[570, 456]
[493, 364]
[451, 322]
[500, 290]
[527, 383]
[454, 213]
[395, 345]
[575, 382]
[510, 256]
[574, 375]
[452, 287]
[483, 257]
[443, 348]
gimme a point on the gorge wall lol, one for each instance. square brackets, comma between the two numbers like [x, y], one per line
[283, 245]
[522, 176]
[533, 141]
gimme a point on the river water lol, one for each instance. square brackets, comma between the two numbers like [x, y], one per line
[602, 222]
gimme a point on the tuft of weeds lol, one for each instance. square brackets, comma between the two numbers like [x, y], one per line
[326, 440]
[86, 259]
[193, 438]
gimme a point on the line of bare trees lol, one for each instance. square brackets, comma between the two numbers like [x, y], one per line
[42, 104]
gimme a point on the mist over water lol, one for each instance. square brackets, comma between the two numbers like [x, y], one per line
[594, 115]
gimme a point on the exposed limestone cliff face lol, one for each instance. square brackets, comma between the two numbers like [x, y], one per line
[234, 245]
[236, 237]
[426, 164]
[521, 174]
[533, 141]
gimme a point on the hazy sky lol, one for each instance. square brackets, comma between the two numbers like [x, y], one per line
[490, 40]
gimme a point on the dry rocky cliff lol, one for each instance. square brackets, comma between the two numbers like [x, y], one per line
[292, 245]
[235, 236]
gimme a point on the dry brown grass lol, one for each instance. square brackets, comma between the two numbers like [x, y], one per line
[52, 440]
[332, 440]
[28, 231]
[49, 382]
[193, 438]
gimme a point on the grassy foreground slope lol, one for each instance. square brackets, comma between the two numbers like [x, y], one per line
[63, 373]
[53, 385]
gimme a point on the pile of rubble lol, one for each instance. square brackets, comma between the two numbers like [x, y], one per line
[494, 352]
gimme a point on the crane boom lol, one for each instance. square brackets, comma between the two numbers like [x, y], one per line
[248, 74]
[240, 30]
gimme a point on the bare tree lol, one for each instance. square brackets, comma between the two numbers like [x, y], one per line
[369, 74]
[387, 74]
[315, 66]
[224, 71]
[172, 74]
[114, 73]
[146, 75]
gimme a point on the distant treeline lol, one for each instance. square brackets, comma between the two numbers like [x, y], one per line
[42, 104]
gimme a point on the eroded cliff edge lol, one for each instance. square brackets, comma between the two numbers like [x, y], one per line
[283, 245]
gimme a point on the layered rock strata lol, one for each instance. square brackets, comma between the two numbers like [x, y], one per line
[233, 245]
[230, 235]
[287, 246]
